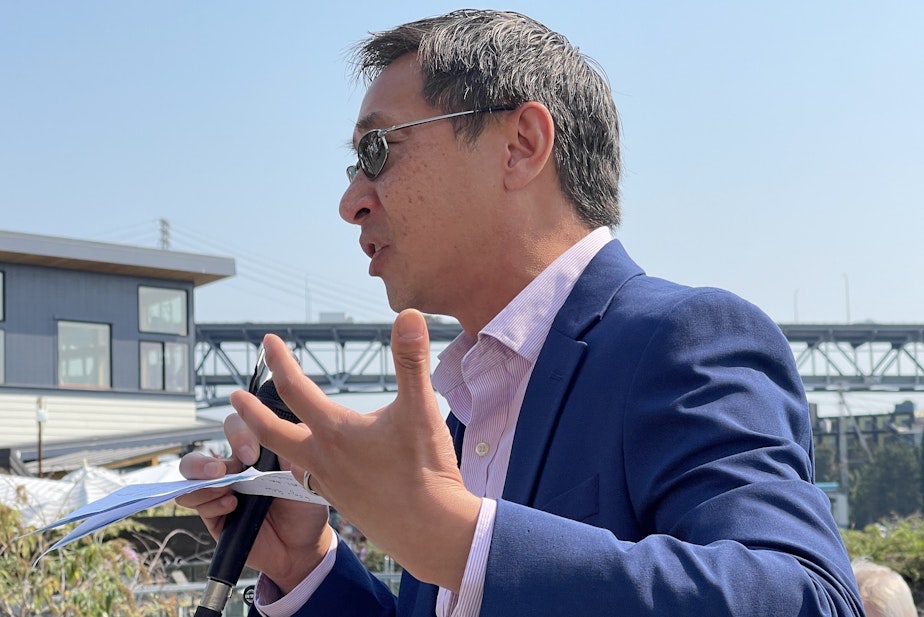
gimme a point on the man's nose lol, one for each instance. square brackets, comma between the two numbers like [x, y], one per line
[358, 200]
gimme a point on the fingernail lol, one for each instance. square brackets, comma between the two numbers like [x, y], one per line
[247, 455]
[409, 329]
[213, 469]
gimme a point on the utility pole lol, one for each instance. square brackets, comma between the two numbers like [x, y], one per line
[307, 300]
[41, 417]
[847, 296]
[164, 234]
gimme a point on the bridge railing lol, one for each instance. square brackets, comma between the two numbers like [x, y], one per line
[356, 357]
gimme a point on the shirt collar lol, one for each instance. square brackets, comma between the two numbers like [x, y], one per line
[522, 325]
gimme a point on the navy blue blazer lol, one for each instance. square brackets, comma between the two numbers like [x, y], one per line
[661, 465]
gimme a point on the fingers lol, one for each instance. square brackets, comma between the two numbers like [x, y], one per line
[265, 427]
[314, 484]
[303, 397]
[199, 466]
[213, 503]
[209, 502]
[244, 444]
[245, 449]
[211, 510]
[410, 344]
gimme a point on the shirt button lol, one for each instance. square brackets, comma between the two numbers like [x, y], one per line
[482, 449]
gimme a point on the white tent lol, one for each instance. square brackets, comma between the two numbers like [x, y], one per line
[42, 501]
[39, 501]
[164, 472]
[89, 484]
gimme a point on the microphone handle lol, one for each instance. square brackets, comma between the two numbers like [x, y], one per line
[234, 544]
[243, 524]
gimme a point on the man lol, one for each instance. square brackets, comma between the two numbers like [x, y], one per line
[617, 444]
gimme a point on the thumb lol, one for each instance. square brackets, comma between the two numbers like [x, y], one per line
[410, 346]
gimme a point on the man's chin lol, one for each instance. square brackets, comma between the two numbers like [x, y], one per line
[399, 302]
[396, 301]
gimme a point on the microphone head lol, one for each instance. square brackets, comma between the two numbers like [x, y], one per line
[270, 397]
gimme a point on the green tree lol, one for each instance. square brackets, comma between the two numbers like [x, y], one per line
[826, 467]
[897, 543]
[92, 576]
[889, 485]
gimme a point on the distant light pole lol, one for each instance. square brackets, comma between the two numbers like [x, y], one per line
[41, 417]
[847, 296]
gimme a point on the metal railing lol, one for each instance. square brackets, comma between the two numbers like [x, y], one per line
[354, 357]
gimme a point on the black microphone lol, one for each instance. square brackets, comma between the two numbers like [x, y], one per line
[243, 524]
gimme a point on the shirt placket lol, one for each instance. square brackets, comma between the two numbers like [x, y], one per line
[485, 380]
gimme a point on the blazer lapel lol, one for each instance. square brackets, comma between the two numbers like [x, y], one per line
[457, 429]
[542, 405]
[557, 365]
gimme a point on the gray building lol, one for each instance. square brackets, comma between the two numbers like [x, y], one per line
[96, 339]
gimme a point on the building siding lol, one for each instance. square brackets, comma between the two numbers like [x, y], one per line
[83, 417]
[47, 280]
[38, 297]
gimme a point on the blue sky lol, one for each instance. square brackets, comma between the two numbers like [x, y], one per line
[773, 149]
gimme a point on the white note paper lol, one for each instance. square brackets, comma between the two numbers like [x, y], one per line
[137, 497]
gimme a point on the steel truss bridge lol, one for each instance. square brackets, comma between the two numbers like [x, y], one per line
[356, 357]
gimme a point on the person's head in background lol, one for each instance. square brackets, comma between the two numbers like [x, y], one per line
[883, 591]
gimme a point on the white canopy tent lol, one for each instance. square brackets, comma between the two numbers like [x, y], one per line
[42, 501]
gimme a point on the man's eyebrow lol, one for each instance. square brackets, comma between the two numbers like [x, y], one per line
[369, 122]
[365, 124]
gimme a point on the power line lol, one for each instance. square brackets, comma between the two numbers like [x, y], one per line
[287, 280]
[136, 234]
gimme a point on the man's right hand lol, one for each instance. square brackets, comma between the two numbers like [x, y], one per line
[294, 537]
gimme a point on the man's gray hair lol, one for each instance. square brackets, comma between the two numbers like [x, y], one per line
[472, 59]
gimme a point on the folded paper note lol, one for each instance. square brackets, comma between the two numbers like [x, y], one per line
[137, 497]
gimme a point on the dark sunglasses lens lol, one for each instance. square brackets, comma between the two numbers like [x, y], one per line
[373, 150]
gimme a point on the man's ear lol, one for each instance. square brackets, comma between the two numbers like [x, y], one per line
[529, 147]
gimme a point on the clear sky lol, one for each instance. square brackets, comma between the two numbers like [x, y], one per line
[775, 149]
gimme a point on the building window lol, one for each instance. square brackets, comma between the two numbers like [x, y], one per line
[176, 367]
[2, 357]
[84, 358]
[152, 366]
[2, 297]
[164, 366]
[162, 310]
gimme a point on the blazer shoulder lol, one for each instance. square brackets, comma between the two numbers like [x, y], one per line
[613, 286]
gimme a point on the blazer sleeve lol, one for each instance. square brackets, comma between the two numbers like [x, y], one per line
[349, 590]
[708, 411]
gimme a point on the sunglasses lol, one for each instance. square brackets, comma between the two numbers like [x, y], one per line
[372, 150]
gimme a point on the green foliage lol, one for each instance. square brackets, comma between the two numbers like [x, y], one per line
[92, 576]
[889, 485]
[897, 543]
[826, 466]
